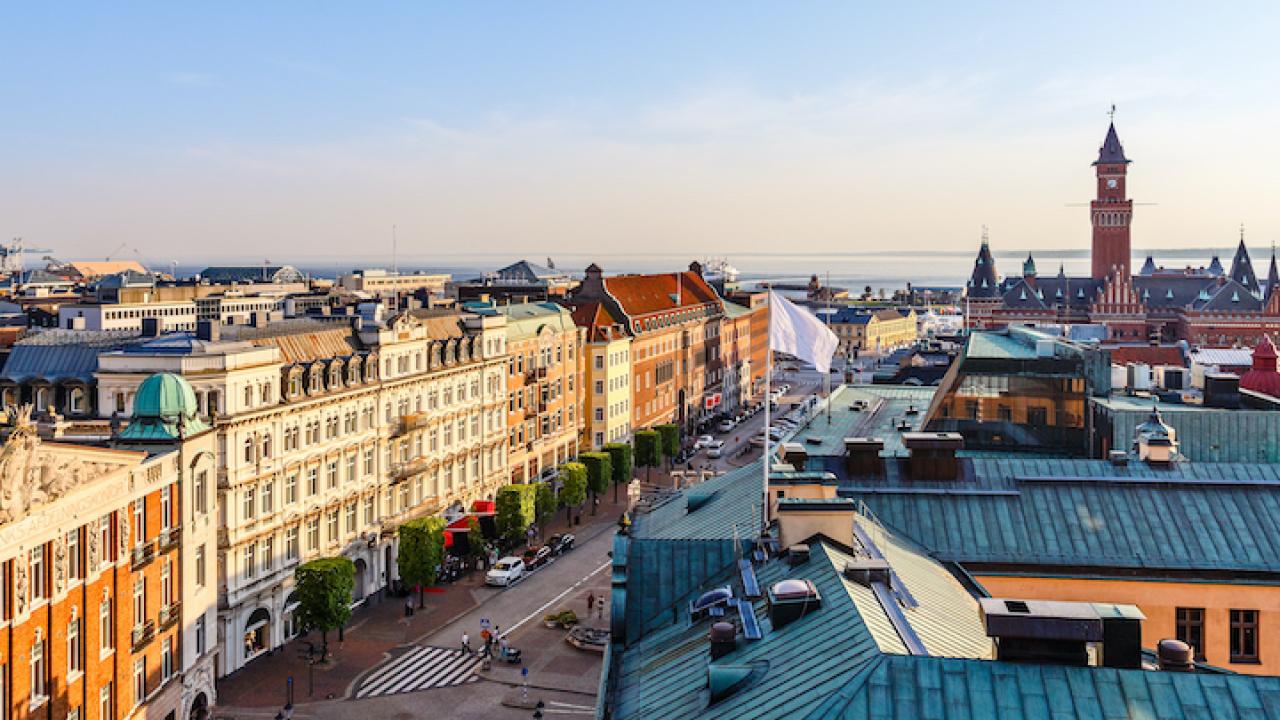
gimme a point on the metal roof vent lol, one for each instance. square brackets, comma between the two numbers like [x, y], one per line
[868, 570]
[1119, 458]
[723, 638]
[1174, 656]
[710, 603]
[797, 555]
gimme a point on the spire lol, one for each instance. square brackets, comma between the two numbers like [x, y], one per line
[1111, 152]
[1029, 267]
[1273, 276]
[1148, 267]
[983, 283]
[1242, 267]
[1215, 267]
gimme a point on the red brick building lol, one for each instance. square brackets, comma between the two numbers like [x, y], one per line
[1204, 305]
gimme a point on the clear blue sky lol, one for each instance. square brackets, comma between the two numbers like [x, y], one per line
[296, 129]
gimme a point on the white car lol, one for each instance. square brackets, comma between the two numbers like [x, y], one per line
[725, 426]
[703, 441]
[715, 448]
[505, 572]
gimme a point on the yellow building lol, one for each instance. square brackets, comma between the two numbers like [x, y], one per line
[880, 330]
[606, 377]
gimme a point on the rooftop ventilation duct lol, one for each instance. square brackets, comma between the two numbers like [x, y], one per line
[723, 638]
[862, 455]
[1175, 656]
[790, 600]
[933, 454]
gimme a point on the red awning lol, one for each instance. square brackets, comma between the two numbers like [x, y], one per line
[448, 539]
[460, 524]
[482, 506]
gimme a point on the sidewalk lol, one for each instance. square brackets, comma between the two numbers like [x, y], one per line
[377, 627]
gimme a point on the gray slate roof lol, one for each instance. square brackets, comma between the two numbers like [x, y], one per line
[58, 354]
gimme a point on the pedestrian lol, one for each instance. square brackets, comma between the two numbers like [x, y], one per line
[591, 602]
[502, 647]
[408, 606]
[466, 643]
[485, 637]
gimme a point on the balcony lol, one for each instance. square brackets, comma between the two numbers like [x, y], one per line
[142, 634]
[409, 423]
[404, 470]
[143, 554]
[170, 614]
[169, 538]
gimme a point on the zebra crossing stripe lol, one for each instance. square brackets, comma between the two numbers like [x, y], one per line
[419, 669]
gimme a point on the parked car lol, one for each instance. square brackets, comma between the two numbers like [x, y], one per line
[561, 544]
[715, 449]
[536, 557]
[725, 426]
[702, 442]
[505, 572]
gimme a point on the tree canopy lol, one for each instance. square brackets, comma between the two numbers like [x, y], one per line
[599, 470]
[670, 439]
[648, 448]
[421, 551]
[621, 464]
[514, 507]
[324, 590]
[545, 503]
[573, 490]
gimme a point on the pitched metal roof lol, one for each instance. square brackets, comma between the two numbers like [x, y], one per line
[646, 294]
[60, 354]
[983, 282]
[1242, 269]
[1111, 152]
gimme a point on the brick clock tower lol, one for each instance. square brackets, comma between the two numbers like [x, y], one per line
[1112, 211]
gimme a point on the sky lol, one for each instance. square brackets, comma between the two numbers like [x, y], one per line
[296, 131]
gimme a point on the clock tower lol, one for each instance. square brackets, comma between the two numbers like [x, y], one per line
[1111, 212]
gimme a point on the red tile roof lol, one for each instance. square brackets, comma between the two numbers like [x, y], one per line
[1157, 355]
[647, 294]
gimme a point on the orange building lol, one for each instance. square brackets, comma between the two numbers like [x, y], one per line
[675, 321]
[94, 575]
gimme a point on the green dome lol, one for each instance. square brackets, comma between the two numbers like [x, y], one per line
[165, 408]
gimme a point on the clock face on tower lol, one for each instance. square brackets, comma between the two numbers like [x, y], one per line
[1111, 183]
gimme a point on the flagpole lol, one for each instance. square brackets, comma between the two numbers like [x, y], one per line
[768, 437]
[826, 377]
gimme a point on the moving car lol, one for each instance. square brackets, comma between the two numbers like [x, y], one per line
[725, 426]
[505, 572]
[561, 544]
[715, 449]
[703, 441]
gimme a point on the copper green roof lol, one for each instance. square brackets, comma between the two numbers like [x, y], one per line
[164, 408]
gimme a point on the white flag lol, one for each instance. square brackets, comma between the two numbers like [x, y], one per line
[796, 331]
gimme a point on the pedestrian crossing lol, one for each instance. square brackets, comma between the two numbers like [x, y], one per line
[419, 669]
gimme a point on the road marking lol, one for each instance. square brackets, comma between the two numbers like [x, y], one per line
[418, 669]
[556, 599]
[557, 703]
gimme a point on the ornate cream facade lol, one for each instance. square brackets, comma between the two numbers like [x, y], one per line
[329, 434]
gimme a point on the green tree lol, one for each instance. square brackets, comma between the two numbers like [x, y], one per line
[573, 488]
[324, 590]
[475, 541]
[544, 504]
[514, 508]
[599, 473]
[648, 451]
[670, 439]
[621, 458]
[421, 550]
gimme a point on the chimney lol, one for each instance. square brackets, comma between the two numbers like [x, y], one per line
[1041, 631]
[1221, 390]
[933, 455]
[150, 327]
[862, 456]
[795, 455]
[1121, 635]
[209, 330]
[1175, 656]
[723, 639]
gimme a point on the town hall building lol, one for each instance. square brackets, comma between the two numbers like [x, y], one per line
[1204, 305]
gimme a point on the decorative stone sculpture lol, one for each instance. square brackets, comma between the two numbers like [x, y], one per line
[92, 529]
[122, 529]
[60, 565]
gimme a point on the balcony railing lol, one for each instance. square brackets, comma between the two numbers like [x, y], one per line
[170, 613]
[409, 423]
[401, 471]
[142, 634]
[169, 538]
[143, 554]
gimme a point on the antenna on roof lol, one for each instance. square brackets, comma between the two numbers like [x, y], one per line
[1111, 114]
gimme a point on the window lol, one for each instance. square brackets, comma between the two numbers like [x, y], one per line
[200, 636]
[368, 511]
[313, 533]
[1244, 636]
[291, 490]
[1190, 629]
[200, 566]
[139, 601]
[37, 573]
[267, 497]
[249, 503]
[250, 560]
[139, 520]
[313, 481]
[104, 537]
[333, 474]
[333, 525]
[201, 492]
[75, 651]
[39, 690]
[351, 519]
[166, 507]
[368, 461]
[139, 680]
[166, 659]
[106, 631]
[105, 707]
[248, 450]
[291, 543]
[268, 551]
[74, 569]
[351, 467]
[166, 583]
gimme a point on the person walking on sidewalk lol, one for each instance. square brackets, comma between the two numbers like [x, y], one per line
[408, 606]
[466, 642]
[591, 602]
